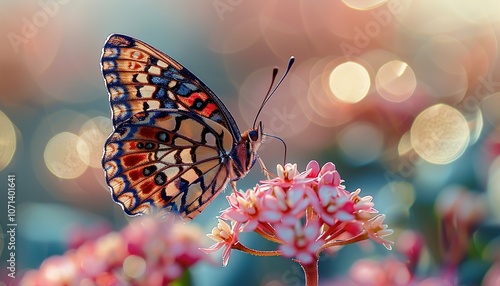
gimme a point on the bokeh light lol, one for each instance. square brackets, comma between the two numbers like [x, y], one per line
[7, 140]
[134, 266]
[94, 133]
[476, 123]
[350, 82]
[361, 142]
[66, 155]
[396, 199]
[404, 144]
[440, 134]
[395, 81]
[363, 5]
[447, 57]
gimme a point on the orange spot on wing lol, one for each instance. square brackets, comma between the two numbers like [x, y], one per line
[209, 109]
[147, 187]
[147, 132]
[201, 95]
[135, 174]
[133, 159]
[134, 66]
[189, 101]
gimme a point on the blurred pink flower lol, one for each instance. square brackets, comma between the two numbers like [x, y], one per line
[492, 277]
[79, 234]
[146, 252]
[410, 244]
[380, 273]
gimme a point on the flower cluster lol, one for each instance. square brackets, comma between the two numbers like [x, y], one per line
[305, 213]
[146, 252]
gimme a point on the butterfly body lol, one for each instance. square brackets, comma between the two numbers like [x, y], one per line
[175, 146]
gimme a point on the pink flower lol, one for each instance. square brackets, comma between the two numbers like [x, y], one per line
[362, 204]
[79, 234]
[224, 236]
[334, 206]
[492, 277]
[303, 212]
[313, 168]
[146, 252]
[386, 272]
[243, 208]
[300, 242]
[377, 230]
[287, 176]
[285, 207]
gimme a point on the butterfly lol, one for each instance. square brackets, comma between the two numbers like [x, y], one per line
[174, 146]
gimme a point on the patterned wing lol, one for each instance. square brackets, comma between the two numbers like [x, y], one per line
[141, 78]
[167, 160]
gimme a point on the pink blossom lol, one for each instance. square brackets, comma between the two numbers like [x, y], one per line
[285, 207]
[334, 206]
[299, 241]
[146, 252]
[225, 237]
[78, 234]
[313, 168]
[492, 277]
[386, 272]
[303, 212]
[287, 176]
[362, 204]
[243, 208]
[377, 230]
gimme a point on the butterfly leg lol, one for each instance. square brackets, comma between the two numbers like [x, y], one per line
[264, 169]
[233, 186]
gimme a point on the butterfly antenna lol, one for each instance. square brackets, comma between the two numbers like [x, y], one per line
[271, 90]
[282, 141]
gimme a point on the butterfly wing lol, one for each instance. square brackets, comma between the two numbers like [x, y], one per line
[167, 160]
[141, 78]
[170, 150]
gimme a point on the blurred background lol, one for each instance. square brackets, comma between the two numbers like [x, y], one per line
[403, 96]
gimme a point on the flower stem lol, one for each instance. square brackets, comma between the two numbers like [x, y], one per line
[360, 237]
[267, 232]
[311, 273]
[255, 252]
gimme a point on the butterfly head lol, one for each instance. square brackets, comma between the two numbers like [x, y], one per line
[255, 137]
[245, 153]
